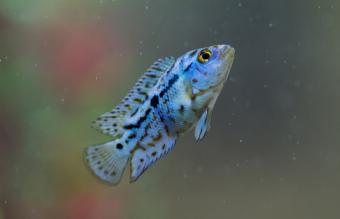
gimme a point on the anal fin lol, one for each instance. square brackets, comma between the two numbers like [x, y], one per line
[143, 158]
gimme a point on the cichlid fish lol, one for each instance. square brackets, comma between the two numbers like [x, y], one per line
[172, 97]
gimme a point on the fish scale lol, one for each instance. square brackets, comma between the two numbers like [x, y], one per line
[172, 97]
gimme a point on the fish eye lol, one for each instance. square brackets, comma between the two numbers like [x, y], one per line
[204, 56]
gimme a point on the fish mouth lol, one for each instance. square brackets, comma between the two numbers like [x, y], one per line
[227, 53]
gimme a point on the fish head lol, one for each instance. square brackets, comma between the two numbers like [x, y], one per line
[208, 67]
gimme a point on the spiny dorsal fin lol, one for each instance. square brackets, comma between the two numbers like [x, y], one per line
[111, 123]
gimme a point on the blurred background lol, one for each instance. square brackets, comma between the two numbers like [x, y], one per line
[273, 150]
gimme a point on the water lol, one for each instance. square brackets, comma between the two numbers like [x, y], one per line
[273, 150]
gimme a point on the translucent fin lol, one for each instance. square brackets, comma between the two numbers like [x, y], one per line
[142, 159]
[107, 161]
[155, 142]
[111, 123]
[202, 126]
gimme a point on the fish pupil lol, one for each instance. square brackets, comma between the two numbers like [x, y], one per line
[205, 56]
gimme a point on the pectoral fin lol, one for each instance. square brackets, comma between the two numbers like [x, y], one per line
[202, 125]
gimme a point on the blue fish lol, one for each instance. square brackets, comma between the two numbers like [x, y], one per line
[172, 97]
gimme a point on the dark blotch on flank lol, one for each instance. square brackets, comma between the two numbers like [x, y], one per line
[188, 67]
[119, 146]
[154, 101]
[192, 53]
[181, 109]
[140, 121]
[171, 82]
[132, 136]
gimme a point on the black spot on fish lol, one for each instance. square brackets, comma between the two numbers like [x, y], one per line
[171, 82]
[132, 136]
[188, 67]
[140, 121]
[192, 53]
[119, 146]
[181, 109]
[154, 101]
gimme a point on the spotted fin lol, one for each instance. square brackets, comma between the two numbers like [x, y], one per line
[155, 142]
[107, 161]
[145, 157]
[111, 123]
[202, 125]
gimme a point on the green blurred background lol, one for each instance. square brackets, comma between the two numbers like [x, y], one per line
[273, 150]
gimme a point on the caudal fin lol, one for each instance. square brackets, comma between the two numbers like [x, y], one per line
[107, 162]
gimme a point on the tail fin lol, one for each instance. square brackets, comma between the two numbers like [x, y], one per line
[107, 162]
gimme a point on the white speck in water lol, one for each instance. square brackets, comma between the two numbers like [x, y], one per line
[247, 104]
[239, 4]
[185, 175]
[141, 42]
[285, 61]
[241, 140]
[157, 46]
[265, 85]
[270, 25]
[237, 165]
[62, 100]
[5, 202]
[230, 123]
[36, 65]
[0, 60]
[290, 136]
[140, 53]
[319, 6]
[297, 84]
[146, 7]
[294, 156]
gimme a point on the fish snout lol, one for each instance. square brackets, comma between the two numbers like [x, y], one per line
[227, 51]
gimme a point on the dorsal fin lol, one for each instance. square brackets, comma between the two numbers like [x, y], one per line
[111, 123]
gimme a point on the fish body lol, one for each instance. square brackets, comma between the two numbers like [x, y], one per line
[171, 98]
